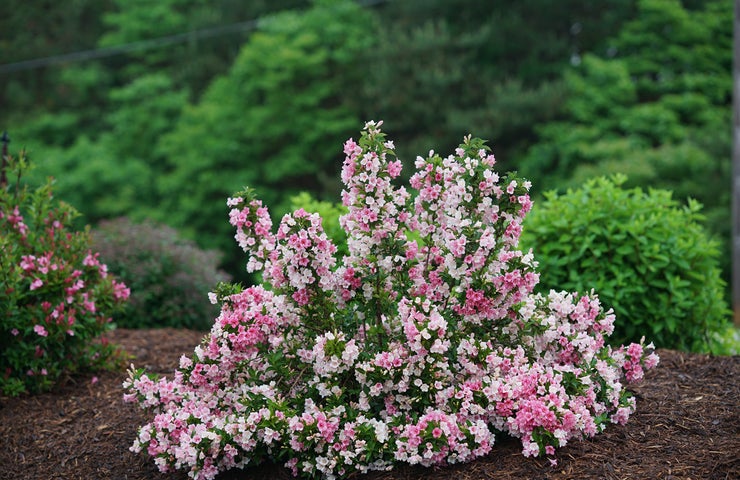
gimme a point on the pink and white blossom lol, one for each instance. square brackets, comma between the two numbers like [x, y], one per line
[415, 347]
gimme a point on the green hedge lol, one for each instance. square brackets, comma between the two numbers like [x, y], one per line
[646, 255]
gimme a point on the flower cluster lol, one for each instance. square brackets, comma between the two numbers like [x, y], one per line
[419, 346]
[56, 296]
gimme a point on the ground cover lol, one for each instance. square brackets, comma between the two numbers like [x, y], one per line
[686, 427]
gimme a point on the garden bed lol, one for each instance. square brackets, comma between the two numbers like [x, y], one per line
[686, 427]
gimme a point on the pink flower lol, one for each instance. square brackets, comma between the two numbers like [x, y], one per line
[120, 291]
[40, 330]
[28, 262]
[233, 202]
[301, 296]
[37, 283]
[394, 168]
[651, 361]
[91, 260]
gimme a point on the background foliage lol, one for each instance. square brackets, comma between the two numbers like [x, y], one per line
[208, 102]
[657, 108]
[169, 276]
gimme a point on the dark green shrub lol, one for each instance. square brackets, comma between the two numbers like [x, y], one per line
[647, 256]
[169, 277]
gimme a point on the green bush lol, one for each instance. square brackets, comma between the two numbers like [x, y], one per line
[56, 298]
[647, 256]
[727, 340]
[169, 277]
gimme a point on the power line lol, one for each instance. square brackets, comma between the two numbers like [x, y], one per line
[129, 47]
[141, 45]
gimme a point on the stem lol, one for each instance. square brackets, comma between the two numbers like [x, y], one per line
[378, 316]
[298, 376]
[3, 178]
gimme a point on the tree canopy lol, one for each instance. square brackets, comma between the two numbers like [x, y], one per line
[658, 111]
[208, 97]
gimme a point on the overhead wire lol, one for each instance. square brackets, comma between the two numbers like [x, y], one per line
[141, 45]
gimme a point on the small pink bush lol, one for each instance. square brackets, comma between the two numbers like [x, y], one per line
[419, 346]
[56, 297]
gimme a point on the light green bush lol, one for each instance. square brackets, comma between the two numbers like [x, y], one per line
[646, 256]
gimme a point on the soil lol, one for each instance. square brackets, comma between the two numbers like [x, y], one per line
[687, 426]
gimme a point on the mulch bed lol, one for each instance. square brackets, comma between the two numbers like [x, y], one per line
[687, 426]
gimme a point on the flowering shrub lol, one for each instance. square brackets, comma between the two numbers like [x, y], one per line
[418, 346]
[56, 297]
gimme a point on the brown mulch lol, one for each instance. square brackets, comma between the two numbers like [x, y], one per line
[687, 426]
